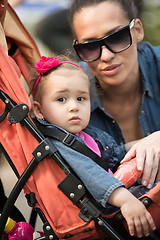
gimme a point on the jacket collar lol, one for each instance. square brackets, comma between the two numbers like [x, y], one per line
[146, 87]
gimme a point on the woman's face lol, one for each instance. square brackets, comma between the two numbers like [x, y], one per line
[111, 69]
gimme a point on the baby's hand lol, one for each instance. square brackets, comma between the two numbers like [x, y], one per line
[138, 218]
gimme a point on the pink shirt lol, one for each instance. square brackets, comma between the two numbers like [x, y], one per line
[90, 142]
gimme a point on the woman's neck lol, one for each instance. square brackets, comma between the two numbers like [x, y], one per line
[123, 104]
[127, 91]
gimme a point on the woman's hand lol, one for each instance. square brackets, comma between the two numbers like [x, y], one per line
[147, 152]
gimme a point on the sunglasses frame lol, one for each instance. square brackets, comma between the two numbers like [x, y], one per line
[102, 41]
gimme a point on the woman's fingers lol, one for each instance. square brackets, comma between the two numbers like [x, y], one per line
[129, 155]
[153, 171]
[151, 168]
[158, 174]
[147, 153]
[141, 157]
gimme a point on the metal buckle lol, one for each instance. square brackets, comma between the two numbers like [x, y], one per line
[69, 139]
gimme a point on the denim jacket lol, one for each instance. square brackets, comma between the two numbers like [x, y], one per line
[149, 113]
[98, 181]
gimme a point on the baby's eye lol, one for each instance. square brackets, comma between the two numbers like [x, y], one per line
[80, 99]
[62, 99]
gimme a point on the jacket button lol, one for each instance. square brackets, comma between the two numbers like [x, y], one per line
[68, 236]
[87, 230]
[106, 148]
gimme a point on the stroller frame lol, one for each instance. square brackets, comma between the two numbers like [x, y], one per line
[88, 210]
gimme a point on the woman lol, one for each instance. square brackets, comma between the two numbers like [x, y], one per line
[126, 73]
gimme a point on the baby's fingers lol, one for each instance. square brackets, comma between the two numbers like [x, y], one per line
[138, 227]
[147, 223]
[131, 228]
[145, 227]
[150, 221]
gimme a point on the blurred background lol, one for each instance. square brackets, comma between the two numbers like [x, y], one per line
[150, 16]
[33, 12]
[46, 20]
[42, 19]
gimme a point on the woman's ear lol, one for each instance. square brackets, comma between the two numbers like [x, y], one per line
[37, 110]
[139, 30]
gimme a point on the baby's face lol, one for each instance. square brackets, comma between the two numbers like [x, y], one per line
[65, 100]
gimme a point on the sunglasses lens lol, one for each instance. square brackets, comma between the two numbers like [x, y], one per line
[88, 51]
[118, 41]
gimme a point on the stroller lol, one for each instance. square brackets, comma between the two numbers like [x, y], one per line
[65, 207]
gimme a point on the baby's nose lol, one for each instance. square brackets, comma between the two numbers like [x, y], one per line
[73, 106]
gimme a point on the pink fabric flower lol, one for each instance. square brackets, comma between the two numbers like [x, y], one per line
[46, 63]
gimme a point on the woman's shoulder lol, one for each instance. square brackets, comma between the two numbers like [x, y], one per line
[148, 50]
[149, 62]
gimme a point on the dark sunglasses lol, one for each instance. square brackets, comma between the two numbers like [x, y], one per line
[116, 42]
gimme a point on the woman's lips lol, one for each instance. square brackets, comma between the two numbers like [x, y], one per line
[111, 70]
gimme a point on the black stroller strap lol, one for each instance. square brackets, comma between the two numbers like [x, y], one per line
[71, 141]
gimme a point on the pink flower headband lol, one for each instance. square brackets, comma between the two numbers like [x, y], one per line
[45, 64]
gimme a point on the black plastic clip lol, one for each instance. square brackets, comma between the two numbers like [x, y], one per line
[18, 113]
[88, 211]
[31, 199]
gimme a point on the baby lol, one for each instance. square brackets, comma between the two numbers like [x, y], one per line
[61, 100]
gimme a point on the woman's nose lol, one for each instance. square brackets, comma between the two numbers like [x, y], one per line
[106, 54]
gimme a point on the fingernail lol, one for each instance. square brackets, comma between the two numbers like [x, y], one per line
[147, 234]
[144, 183]
[149, 186]
[140, 168]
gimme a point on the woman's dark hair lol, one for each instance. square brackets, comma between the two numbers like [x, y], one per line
[126, 5]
